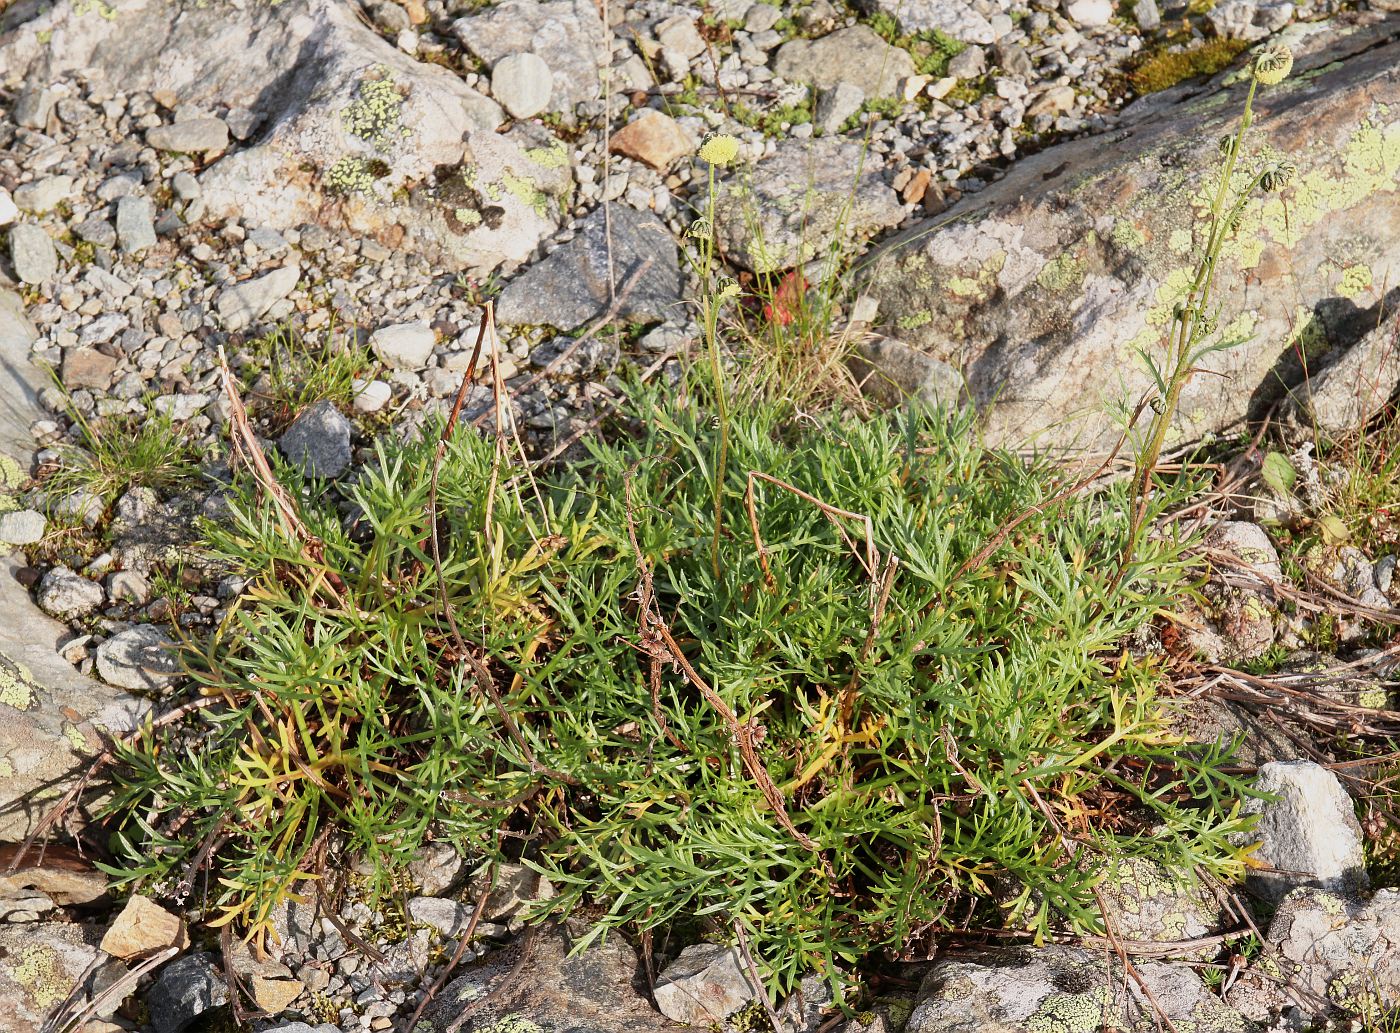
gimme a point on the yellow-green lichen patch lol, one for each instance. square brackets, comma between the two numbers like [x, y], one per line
[1356, 279]
[516, 1023]
[16, 684]
[1126, 235]
[37, 969]
[915, 320]
[76, 739]
[1181, 241]
[7, 770]
[353, 176]
[1063, 273]
[1074, 1013]
[374, 114]
[11, 476]
[555, 156]
[100, 7]
[524, 191]
[468, 217]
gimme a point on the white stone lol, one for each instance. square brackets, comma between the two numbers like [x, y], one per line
[371, 395]
[21, 527]
[403, 345]
[9, 211]
[522, 84]
[1309, 835]
[1089, 13]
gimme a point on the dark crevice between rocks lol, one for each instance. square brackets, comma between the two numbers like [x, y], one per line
[1335, 325]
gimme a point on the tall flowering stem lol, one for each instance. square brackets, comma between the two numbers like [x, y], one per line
[718, 150]
[1193, 322]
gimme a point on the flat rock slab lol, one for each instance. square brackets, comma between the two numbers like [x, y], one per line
[593, 992]
[20, 384]
[1062, 989]
[855, 55]
[49, 713]
[807, 200]
[570, 286]
[40, 966]
[1041, 287]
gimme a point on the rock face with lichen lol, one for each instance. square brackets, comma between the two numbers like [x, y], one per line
[1062, 990]
[593, 991]
[1329, 951]
[352, 130]
[1042, 287]
[801, 202]
[50, 716]
[41, 965]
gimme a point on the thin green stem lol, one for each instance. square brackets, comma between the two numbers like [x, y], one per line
[711, 316]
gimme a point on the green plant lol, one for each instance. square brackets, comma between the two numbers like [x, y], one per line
[930, 50]
[1161, 67]
[114, 453]
[870, 709]
[1191, 335]
[297, 372]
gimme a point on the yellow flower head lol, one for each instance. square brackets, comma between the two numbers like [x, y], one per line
[719, 149]
[1272, 64]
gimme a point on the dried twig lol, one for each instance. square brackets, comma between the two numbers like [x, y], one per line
[610, 314]
[756, 979]
[462, 945]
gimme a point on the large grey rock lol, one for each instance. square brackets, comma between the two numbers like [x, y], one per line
[1040, 286]
[240, 305]
[567, 35]
[570, 286]
[1308, 835]
[704, 986]
[956, 18]
[809, 198]
[20, 384]
[49, 714]
[855, 55]
[1329, 950]
[40, 965]
[140, 657]
[594, 991]
[32, 253]
[1061, 989]
[318, 441]
[354, 132]
[186, 989]
[1345, 394]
